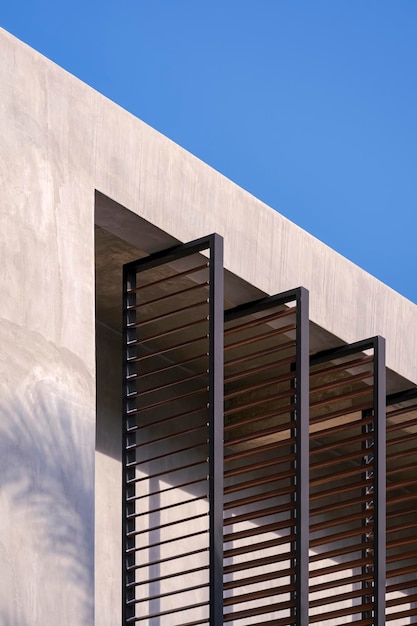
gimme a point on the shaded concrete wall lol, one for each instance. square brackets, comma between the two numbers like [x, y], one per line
[108, 492]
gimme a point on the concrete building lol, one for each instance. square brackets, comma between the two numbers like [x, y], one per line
[252, 530]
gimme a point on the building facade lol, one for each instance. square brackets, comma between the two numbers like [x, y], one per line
[207, 415]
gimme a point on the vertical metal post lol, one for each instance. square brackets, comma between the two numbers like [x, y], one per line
[216, 445]
[380, 479]
[302, 456]
[368, 447]
[129, 439]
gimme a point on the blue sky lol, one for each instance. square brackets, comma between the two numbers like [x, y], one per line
[309, 105]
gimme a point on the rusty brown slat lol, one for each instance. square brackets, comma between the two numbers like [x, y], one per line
[235, 615]
[353, 471]
[401, 586]
[328, 493]
[336, 444]
[243, 469]
[265, 495]
[166, 454]
[349, 456]
[342, 366]
[404, 454]
[259, 578]
[259, 530]
[341, 520]
[259, 321]
[164, 316]
[266, 560]
[168, 471]
[155, 405]
[148, 581]
[401, 528]
[157, 596]
[340, 536]
[256, 370]
[340, 597]
[402, 411]
[178, 433]
[171, 295]
[403, 468]
[149, 529]
[287, 507]
[400, 440]
[401, 425]
[159, 491]
[400, 512]
[340, 582]
[173, 365]
[164, 419]
[346, 396]
[325, 417]
[257, 595]
[402, 571]
[264, 416]
[399, 543]
[256, 482]
[261, 353]
[316, 558]
[180, 381]
[402, 614]
[400, 556]
[341, 382]
[170, 331]
[263, 433]
[332, 430]
[183, 344]
[165, 541]
[341, 567]
[400, 499]
[257, 450]
[258, 338]
[334, 506]
[401, 484]
[166, 507]
[262, 545]
[354, 610]
[188, 272]
[166, 559]
[270, 382]
[177, 609]
[250, 405]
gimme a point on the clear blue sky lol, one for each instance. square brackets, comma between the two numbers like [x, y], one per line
[309, 105]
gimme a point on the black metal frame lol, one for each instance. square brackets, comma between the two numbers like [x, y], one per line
[213, 243]
[377, 344]
[408, 395]
[128, 488]
[300, 296]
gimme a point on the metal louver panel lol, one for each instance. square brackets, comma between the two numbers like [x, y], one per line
[266, 461]
[401, 508]
[347, 485]
[173, 421]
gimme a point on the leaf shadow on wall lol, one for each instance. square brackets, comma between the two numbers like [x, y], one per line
[47, 477]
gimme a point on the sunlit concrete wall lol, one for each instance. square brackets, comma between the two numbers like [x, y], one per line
[60, 141]
[47, 354]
